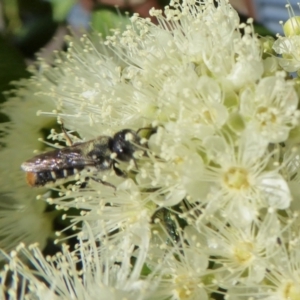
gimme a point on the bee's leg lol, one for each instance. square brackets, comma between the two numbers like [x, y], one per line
[101, 181]
[68, 139]
[118, 171]
[83, 185]
[135, 164]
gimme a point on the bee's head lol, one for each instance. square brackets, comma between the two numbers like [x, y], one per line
[124, 144]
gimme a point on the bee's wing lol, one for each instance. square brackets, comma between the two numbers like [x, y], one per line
[66, 158]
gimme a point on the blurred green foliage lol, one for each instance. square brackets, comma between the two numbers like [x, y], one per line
[12, 66]
[102, 20]
[61, 9]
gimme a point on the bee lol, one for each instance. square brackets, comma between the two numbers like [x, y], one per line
[94, 156]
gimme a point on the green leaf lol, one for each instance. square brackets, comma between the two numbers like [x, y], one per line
[103, 20]
[61, 8]
[12, 66]
[145, 270]
[262, 31]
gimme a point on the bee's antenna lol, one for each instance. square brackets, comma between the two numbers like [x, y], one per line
[151, 129]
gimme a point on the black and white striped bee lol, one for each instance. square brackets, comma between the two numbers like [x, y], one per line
[94, 156]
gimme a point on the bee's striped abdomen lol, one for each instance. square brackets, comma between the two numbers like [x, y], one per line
[42, 178]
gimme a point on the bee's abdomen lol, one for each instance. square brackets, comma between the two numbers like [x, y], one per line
[36, 179]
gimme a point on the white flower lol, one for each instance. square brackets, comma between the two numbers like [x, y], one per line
[183, 271]
[85, 273]
[270, 109]
[155, 72]
[288, 47]
[121, 214]
[283, 273]
[214, 120]
[241, 253]
[172, 174]
[240, 182]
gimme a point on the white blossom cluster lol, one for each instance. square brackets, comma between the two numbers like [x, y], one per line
[210, 204]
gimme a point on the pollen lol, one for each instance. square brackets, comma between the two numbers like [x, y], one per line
[236, 178]
[266, 115]
[207, 117]
[185, 286]
[178, 160]
[290, 291]
[243, 252]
